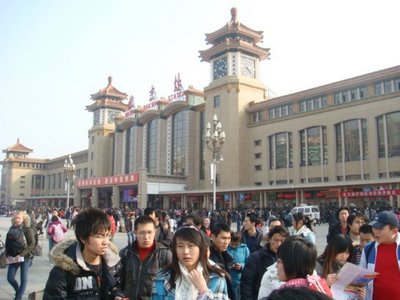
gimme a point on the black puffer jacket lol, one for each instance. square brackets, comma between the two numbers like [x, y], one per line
[70, 278]
[137, 277]
[254, 269]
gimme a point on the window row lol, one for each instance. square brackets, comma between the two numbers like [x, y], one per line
[387, 86]
[351, 142]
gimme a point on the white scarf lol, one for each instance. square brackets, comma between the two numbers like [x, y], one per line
[185, 289]
[304, 230]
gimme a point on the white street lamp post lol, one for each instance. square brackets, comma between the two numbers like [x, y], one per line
[215, 139]
[69, 170]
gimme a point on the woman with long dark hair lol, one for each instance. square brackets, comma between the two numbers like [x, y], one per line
[337, 252]
[190, 275]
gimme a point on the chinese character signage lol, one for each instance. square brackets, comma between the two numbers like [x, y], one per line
[108, 181]
[376, 193]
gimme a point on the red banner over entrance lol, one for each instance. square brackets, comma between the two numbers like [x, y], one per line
[108, 181]
[377, 193]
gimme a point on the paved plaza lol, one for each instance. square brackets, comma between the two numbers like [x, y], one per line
[41, 267]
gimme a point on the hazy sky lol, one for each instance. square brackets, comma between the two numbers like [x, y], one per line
[54, 54]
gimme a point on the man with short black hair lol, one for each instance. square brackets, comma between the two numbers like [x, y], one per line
[162, 236]
[366, 236]
[354, 222]
[220, 239]
[383, 257]
[341, 226]
[85, 268]
[251, 235]
[258, 262]
[142, 260]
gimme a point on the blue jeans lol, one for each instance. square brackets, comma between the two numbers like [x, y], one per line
[11, 272]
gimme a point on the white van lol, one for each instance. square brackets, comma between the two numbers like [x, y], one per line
[311, 211]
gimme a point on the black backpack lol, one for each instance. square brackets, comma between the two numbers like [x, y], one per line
[15, 241]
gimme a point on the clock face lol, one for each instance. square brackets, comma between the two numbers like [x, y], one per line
[248, 66]
[220, 67]
[112, 114]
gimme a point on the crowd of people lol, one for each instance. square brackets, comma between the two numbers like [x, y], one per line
[195, 255]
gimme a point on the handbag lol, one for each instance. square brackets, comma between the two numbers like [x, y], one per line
[3, 260]
[38, 251]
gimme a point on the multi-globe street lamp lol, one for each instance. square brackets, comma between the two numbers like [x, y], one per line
[215, 139]
[69, 170]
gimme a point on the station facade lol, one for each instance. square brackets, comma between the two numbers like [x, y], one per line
[336, 144]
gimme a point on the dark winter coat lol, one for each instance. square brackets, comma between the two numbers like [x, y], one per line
[252, 242]
[224, 260]
[70, 278]
[137, 277]
[254, 269]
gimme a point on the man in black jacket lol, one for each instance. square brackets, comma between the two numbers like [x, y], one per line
[220, 239]
[258, 262]
[86, 268]
[142, 260]
[341, 226]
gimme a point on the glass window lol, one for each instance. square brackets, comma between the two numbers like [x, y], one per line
[130, 151]
[392, 121]
[281, 150]
[378, 89]
[393, 129]
[354, 135]
[202, 147]
[313, 143]
[388, 86]
[397, 85]
[217, 101]
[338, 100]
[151, 161]
[179, 143]
[271, 113]
[303, 106]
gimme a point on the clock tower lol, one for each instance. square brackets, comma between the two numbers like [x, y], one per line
[234, 58]
[107, 105]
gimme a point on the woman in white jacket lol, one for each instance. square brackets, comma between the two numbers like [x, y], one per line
[302, 227]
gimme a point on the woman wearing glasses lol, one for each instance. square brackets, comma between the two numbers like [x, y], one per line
[85, 268]
[190, 276]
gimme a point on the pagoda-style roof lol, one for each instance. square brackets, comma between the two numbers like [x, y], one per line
[17, 148]
[109, 92]
[109, 97]
[234, 36]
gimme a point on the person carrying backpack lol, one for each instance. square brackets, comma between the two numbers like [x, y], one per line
[56, 231]
[20, 244]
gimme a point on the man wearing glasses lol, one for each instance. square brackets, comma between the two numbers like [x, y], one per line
[142, 260]
[85, 268]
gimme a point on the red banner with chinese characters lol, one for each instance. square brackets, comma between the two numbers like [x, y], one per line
[107, 181]
[377, 193]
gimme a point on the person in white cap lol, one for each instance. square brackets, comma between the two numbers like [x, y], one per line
[383, 256]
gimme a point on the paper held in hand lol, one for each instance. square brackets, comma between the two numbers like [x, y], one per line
[349, 278]
[14, 259]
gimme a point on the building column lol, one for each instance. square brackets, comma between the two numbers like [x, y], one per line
[95, 198]
[77, 197]
[183, 201]
[142, 188]
[206, 203]
[115, 198]
[166, 202]
[233, 200]
[396, 186]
